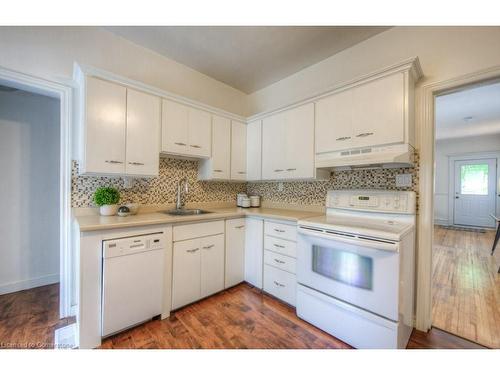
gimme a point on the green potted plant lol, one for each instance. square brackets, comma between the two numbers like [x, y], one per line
[107, 198]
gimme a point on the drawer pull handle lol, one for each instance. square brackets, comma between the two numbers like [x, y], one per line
[364, 134]
[114, 162]
[195, 146]
[279, 230]
[343, 138]
[241, 173]
[279, 261]
[218, 170]
[278, 170]
[135, 163]
[209, 246]
[291, 169]
[280, 246]
[193, 250]
[279, 284]
[180, 144]
[240, 226]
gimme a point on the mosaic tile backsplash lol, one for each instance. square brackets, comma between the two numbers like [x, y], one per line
[162, 189]
[157, 190]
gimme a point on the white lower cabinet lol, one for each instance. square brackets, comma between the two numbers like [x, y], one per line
[281, 284]
[212, 264]
[235, 252]
[186, 278]
[254, 249]
[198, 263]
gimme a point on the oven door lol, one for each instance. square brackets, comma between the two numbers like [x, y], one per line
[359, 271]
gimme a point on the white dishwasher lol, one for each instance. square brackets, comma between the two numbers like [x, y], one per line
[132, 281]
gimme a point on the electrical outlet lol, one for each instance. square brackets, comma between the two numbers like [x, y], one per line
[403, 180]
[280, 186]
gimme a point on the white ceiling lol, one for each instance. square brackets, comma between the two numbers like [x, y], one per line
[453, 112]
[247, 58]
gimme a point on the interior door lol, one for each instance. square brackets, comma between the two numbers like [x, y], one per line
[475, 192]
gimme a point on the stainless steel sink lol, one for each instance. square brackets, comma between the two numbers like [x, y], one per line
[186, 212]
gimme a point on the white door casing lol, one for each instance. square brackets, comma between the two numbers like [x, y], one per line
[475, 192]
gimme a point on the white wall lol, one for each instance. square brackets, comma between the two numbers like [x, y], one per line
[455, 147]
[29, 191]
[444, 52]
[49, 52]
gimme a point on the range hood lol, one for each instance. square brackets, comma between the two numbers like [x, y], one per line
[393, 156]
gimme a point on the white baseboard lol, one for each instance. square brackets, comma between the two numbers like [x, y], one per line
[441, 221]
[28, 284]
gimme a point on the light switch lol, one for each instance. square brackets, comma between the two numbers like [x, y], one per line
[403, 180]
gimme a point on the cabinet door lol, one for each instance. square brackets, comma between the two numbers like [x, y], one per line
[254, 151]
[143, 133]
[334, 122]
[174, 127]
[235, 252]
[221, 148]
[200, 133]
[212, 264]
[254, 251]
[105, 124]
[299, 144]
[238, 151]
[273, 147]
[186, 280]
[378, 112]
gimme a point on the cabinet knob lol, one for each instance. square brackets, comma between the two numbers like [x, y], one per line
[114, 161]
[193, 250]
[180, 144]
[195, 146]
[209, 246]
[279, 284]
[291, 169]
[343, 138]
[218, 170]
[278, 170]
[135, 163]
[278, 261]
[241, 173]
[240, 227]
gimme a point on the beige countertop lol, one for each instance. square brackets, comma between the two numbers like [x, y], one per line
[94, 222]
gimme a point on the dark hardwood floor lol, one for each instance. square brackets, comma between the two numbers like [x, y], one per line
[244, 317]
[28, 319]
[241, 317]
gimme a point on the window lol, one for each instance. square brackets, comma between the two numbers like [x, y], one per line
[474, 179]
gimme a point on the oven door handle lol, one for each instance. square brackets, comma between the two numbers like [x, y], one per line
[354, 240]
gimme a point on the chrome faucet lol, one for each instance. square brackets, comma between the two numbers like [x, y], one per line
[179, 205]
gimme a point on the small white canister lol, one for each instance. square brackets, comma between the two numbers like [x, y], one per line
[239, 199]
[254, 201]
[245, 202]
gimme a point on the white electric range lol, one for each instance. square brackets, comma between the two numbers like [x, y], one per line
[355, 267]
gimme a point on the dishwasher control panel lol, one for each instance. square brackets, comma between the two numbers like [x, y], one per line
[130, 245]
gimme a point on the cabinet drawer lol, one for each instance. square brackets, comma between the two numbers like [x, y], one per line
[280, 284]
[285, 231]
[280, 261]
[185, 232]
[281, 246]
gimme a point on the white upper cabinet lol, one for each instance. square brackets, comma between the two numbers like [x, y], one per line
[121, 129]
[185, 130]
[254, 151]
[288, 145]
[238, 151]
[218, 167]
[378, 111]
[143, 133]
[334, 122]
[375, 113]
[104, 127]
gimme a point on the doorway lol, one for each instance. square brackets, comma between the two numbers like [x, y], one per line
[465, 281]
[35, 285]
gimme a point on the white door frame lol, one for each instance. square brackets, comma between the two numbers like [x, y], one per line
[451, 178]
[425, 223]
[65, 95]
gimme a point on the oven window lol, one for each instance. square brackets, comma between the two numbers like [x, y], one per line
[343, 266]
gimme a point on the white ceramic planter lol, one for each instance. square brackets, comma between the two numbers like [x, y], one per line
[108, 209]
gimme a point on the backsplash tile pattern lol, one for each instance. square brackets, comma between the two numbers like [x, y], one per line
[158, 190]
[162, 189]
[314, 192]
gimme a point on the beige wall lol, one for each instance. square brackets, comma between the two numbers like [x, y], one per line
[444, 52]
[49, 52]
